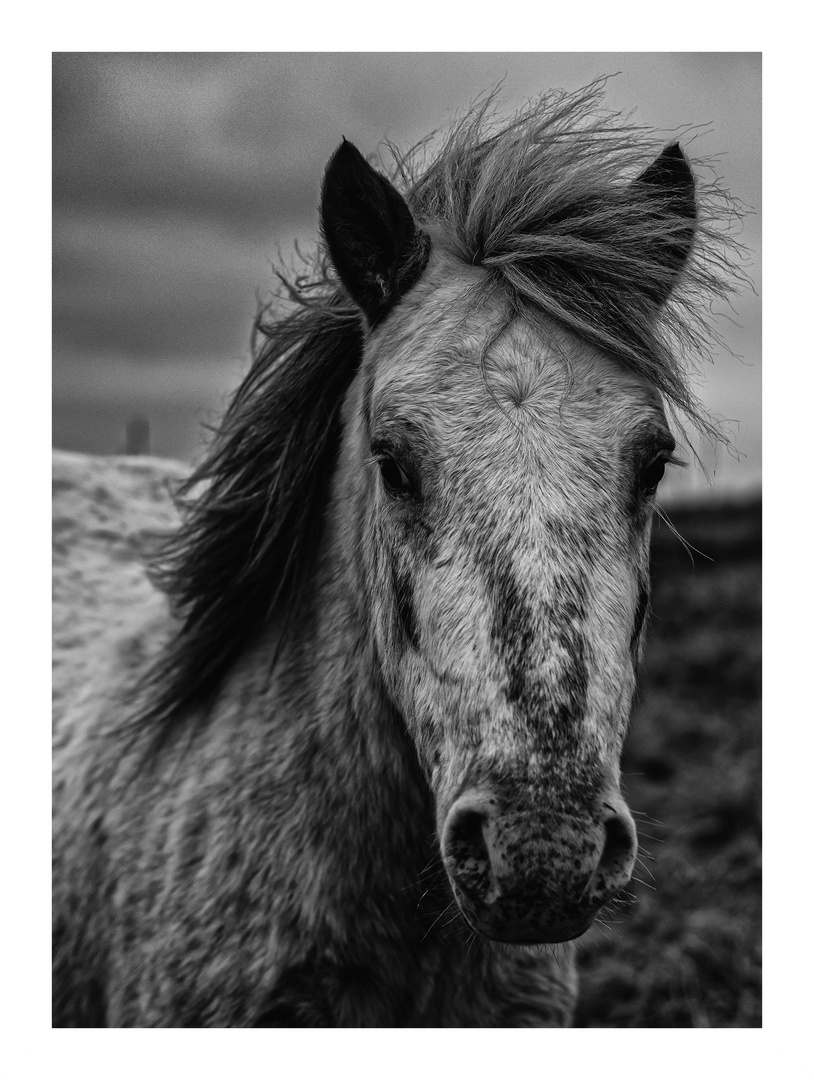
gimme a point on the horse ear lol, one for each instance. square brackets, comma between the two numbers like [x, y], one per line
[374, 243]
[668, 186]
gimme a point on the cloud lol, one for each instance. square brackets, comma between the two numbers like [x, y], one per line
[229, 138]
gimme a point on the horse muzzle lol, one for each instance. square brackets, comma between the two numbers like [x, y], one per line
[520, 877]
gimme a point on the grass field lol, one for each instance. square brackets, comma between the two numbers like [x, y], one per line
[686, 951]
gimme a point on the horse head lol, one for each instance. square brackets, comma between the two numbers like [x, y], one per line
[499, 469]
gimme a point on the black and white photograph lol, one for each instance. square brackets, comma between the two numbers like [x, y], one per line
[407, 540]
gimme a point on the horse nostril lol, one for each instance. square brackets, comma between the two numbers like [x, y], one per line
[619, 852]
[465, 849]
[465, 838]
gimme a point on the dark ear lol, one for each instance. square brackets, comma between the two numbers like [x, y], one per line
[374, 244]
[666, 189]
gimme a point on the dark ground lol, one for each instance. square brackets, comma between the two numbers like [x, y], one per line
[688, 951]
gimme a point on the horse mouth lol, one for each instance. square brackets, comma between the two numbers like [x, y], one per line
[525, 931]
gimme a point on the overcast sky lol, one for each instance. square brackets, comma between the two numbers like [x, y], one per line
[178, 176]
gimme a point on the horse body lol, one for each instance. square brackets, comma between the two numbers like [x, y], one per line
[356, 763]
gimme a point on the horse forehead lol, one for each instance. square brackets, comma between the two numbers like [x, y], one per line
[501, 373]
[554, 378]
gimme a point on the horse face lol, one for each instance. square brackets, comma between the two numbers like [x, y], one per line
[506, 479]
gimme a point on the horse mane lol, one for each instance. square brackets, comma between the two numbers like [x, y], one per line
[251, 510]
[539, 201]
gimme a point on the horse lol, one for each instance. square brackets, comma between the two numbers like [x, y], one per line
[346, 750]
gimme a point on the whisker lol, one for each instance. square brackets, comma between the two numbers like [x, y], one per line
[646, 869]
[646, 884]
[438, 917]
[662, 513]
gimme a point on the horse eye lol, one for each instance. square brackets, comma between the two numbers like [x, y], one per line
[394, 478]
[651, 475]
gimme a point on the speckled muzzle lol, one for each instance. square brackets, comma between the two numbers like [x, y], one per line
[521, 875]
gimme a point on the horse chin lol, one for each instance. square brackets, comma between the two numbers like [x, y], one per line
[517, 932]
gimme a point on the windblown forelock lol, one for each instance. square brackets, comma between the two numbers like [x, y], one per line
[541, 202]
